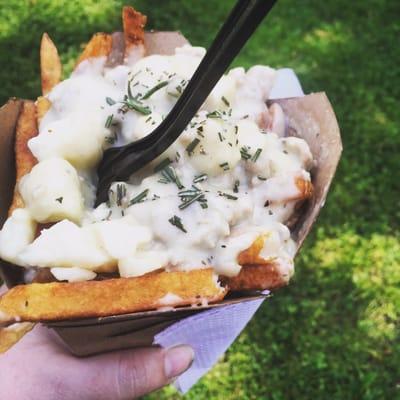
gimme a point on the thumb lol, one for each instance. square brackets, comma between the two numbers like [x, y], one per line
[129, 374]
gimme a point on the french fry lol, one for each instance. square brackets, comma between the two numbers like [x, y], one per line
[133, 23]
[10, 335]
[43, 104]
[99, 45]
[24, 159]
[305, 187]
[57, 300]
[257, 277]
[50, 64]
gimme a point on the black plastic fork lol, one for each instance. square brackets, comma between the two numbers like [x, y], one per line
[119, 163]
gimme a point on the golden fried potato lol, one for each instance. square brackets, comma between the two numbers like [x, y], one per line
[133, 23]
[10, 335]
[257, 277]
[99, 46]
[50, 64]
[24, 159]
[58, 301]
[305, 187]
[43, 105]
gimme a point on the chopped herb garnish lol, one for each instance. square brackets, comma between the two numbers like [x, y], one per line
[200, 178]
[176, 221]
[108, 216]
[236, 186]
[261, 178]
[60, 199]
[192, 145]
[110, 139]
[140, 197]
[221, 138]
[266, 204]
[121, 193]
[169, 174]
[214, 114]
[226, 102]
[130, 95]
[148, 119]
[162, 164]
[110, 101]
[132, 104]
[285, 151]
[154, 89]
[256, 155]
[177, 156]
[190, 199]
[244, 152]
[223, 246]
[200, 131]
[224, 166]
[228, 196]
[189, 196]
[109, 121]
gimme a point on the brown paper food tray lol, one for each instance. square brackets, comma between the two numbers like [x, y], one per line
[310, 117]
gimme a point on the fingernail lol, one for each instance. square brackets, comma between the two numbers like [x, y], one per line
[177, 360]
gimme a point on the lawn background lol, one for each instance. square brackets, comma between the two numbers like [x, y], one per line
[334, 333]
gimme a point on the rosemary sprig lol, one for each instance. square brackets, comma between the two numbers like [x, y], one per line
[140, 197]
[228, 196]
[154, 89]
[256, 155]
[224, 166]
[121, 193]
[190, 196]
[192, 145]
[244, 152]
[133, 104]
[200, 178]
[214, 114]
[162, 164]
[225, 101]
[110, 101]
[169, 174]
[130, 95]
[109, 121]
[111, 139]
[176, 221]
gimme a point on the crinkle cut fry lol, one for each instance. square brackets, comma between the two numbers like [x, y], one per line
[24, 159]
[59, 301]
[50, 64]
[133, 23]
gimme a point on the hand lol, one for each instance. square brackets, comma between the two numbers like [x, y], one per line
[40, 368]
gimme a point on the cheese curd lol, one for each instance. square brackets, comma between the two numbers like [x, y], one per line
[51, 191]
[230, 177]
[17, 233]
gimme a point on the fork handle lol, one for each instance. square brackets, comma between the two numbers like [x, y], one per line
[237, 29]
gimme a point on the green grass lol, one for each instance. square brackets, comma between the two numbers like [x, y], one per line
[334, 333]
